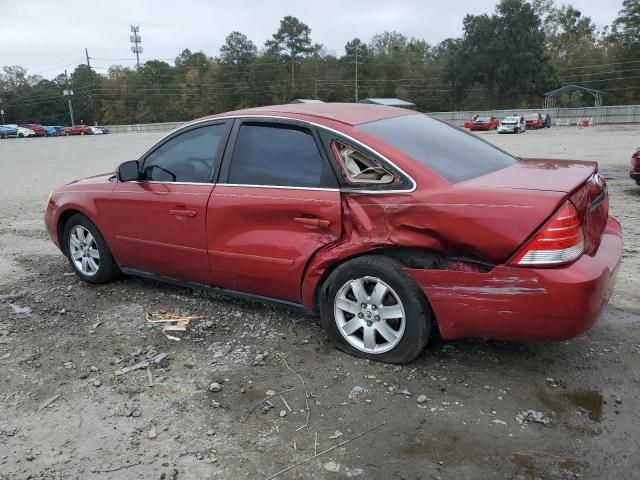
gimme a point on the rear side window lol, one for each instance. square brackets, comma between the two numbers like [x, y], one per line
[278, 155]
[448, 151]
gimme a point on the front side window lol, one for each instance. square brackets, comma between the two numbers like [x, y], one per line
[277, 155]
[188, 157]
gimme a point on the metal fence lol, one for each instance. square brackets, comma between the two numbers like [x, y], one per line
[623, 114]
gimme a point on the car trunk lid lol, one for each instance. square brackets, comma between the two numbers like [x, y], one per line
[578, 180]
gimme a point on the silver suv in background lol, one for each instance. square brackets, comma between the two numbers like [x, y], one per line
[512, 124]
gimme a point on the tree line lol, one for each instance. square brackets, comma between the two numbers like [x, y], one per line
[505, 59]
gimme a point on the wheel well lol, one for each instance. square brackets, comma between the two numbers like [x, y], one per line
[62, 221]
[409, 257]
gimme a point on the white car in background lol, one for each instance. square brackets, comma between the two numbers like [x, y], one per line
[23, 132]
[96, 130]
[512, 124]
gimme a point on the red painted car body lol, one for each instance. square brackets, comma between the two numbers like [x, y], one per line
[635, 166]
[484, 124]
[533, 121]
[281, 242]
[78, 130]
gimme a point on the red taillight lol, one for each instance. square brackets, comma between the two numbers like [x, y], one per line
[561, 240]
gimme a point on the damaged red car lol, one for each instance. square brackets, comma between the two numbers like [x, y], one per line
[389, 224]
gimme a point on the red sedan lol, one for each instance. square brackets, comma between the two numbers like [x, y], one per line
[38, 129]
[78, 130]
[484, 123]
[386, 222]
[534, 121]
[635, 166]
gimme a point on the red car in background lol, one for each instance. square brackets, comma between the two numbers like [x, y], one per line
[635, 166]
[484, 123]
[78, 130]
[38, 129]
[533, 121]
[384, 221]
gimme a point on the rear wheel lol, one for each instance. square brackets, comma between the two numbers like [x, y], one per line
[371, 308]
[88, 252]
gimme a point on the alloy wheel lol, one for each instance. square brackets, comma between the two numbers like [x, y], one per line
[83, 250]
[369, 314]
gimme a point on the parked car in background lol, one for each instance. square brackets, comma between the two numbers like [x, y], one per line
[96, 130]
[38, 129]
[635, 166]
[484, 123]
[24, 132]
[298, 204]
[78, 130]
[533, 121]
[52, 131]
[105, 130]
[8, 131]
[546, 120]
[512, 124]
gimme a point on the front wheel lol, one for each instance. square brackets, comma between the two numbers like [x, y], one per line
[88, 252]
[371, 308]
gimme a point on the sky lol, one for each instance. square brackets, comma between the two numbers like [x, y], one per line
[48, 36]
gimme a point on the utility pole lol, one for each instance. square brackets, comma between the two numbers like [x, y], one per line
[356, 73]
[69, 93]
[93, 105]
[136, 40]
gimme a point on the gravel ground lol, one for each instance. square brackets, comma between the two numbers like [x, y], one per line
[455, 413]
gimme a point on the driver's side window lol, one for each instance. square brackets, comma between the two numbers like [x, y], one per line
[188, 157]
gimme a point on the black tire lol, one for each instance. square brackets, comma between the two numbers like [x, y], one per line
[108, 268]
[418, 314]
[517, 130]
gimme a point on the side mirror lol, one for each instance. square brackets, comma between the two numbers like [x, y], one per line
[129, 171]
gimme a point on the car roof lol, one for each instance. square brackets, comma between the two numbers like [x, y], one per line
[347, 113]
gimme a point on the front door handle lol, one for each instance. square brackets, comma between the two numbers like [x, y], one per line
[312, 222]
[183, 213]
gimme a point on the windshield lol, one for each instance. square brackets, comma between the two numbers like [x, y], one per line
[483, 119]
[531, 116]
[511, 119]
[448, 151]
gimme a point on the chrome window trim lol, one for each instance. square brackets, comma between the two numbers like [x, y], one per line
[317, 125]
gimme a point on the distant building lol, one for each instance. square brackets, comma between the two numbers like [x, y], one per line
[305, 100]
[390, 102]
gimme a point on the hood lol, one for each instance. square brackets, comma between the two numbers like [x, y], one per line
[563, 176]
[102, 178]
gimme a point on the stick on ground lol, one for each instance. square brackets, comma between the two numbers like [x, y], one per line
[325, 451]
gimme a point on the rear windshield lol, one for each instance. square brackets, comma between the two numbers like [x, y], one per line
[448, 151]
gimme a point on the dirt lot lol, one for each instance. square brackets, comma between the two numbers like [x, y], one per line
[64, 340]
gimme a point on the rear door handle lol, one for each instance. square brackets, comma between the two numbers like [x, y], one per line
[183, 213]
[312, 222]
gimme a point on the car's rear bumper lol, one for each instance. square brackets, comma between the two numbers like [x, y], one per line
[518, 303]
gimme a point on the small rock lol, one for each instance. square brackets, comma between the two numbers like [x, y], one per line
[97, 383]
[209, 324]
[214, 404]
[529, 416]
[283, 413]
[421, 399]
[152, 434]
[358, 393]
[215, 387]
[136, 413]
[336, 434]
[270, 393]
[332, 467]
[211, 433]
[618, 401]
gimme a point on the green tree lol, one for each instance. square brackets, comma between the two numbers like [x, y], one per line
[291, 42]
